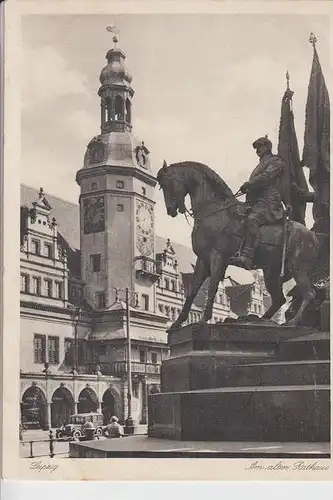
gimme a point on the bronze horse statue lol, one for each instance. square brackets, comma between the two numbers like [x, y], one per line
[217, 234]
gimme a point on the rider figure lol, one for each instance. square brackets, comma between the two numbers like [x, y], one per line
[264, 195]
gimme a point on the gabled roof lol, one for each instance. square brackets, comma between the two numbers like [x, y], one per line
[66, 213]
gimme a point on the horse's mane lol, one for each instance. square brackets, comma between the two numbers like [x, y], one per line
[218, 184]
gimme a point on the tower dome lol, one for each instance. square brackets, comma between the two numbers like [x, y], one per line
[115, 72]
[116, 145]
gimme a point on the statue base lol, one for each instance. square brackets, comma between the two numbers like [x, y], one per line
[230, 382]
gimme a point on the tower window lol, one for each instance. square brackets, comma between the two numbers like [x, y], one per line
[120, 208]
[145, 302]
[142, 355]
[100, 300]
[154, 358]
[95, 262]
[120, 184]
[144, 191]
[102, 350]
[35, 247]
[36, 285]
[167, 284]
[48, 287]
[25, 283]
[128, 111]
[93, 186]
[119, 108]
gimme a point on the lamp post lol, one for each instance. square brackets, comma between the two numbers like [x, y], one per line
[76, 317]
[129, 424]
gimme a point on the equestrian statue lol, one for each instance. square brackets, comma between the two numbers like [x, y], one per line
[255, 234]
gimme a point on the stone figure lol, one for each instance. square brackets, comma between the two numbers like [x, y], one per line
[264, 197]
[219, 220]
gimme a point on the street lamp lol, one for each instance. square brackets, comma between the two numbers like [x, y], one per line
[76, 317]
[129, 424]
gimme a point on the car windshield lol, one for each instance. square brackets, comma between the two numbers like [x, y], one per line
[76, 419]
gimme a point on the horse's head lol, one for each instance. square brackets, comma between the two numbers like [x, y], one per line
[173, 184]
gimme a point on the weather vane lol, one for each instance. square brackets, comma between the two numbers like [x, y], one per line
[113, 29]
[313, 39]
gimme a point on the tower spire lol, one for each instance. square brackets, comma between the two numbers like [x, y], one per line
[115, 92]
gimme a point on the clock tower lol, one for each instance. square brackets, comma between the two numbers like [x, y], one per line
[116, 199]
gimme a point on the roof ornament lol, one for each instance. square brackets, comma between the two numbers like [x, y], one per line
[313, 39]
[288, 79]
[113, 29]
[41, 193]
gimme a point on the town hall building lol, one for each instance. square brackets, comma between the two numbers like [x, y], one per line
[77, 262]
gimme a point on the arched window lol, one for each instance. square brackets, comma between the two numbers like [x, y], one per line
[128, 111]
[106, 110]
[119, 108]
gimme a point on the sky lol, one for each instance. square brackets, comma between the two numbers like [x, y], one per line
[205, 86]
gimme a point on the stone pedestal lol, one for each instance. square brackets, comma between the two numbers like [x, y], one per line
[244, 382]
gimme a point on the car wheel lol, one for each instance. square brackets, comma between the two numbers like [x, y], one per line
[77, 434]
[99, 432]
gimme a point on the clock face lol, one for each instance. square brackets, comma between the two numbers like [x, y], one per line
[94, 215]
[145, 219]
[96, 152]
[145, 228]
[145, 245]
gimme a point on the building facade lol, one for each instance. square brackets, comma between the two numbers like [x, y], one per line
[95, 272]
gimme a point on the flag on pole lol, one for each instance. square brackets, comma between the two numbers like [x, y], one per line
[294, 185]
[316, 152]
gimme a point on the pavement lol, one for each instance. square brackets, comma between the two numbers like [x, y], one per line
[144, 446]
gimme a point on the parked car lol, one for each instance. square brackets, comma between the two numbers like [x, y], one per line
[75, 425]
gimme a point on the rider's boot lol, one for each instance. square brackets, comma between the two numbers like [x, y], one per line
[245, 259]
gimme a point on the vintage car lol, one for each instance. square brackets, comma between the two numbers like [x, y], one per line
[75, 427]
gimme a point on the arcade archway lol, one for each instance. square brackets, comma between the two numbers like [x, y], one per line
[34, 408]
[88, 401]
[108, 406]
[62, 406]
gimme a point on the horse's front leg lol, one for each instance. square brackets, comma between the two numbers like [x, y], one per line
[201, 272]
[218, 266]
[307, 295]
